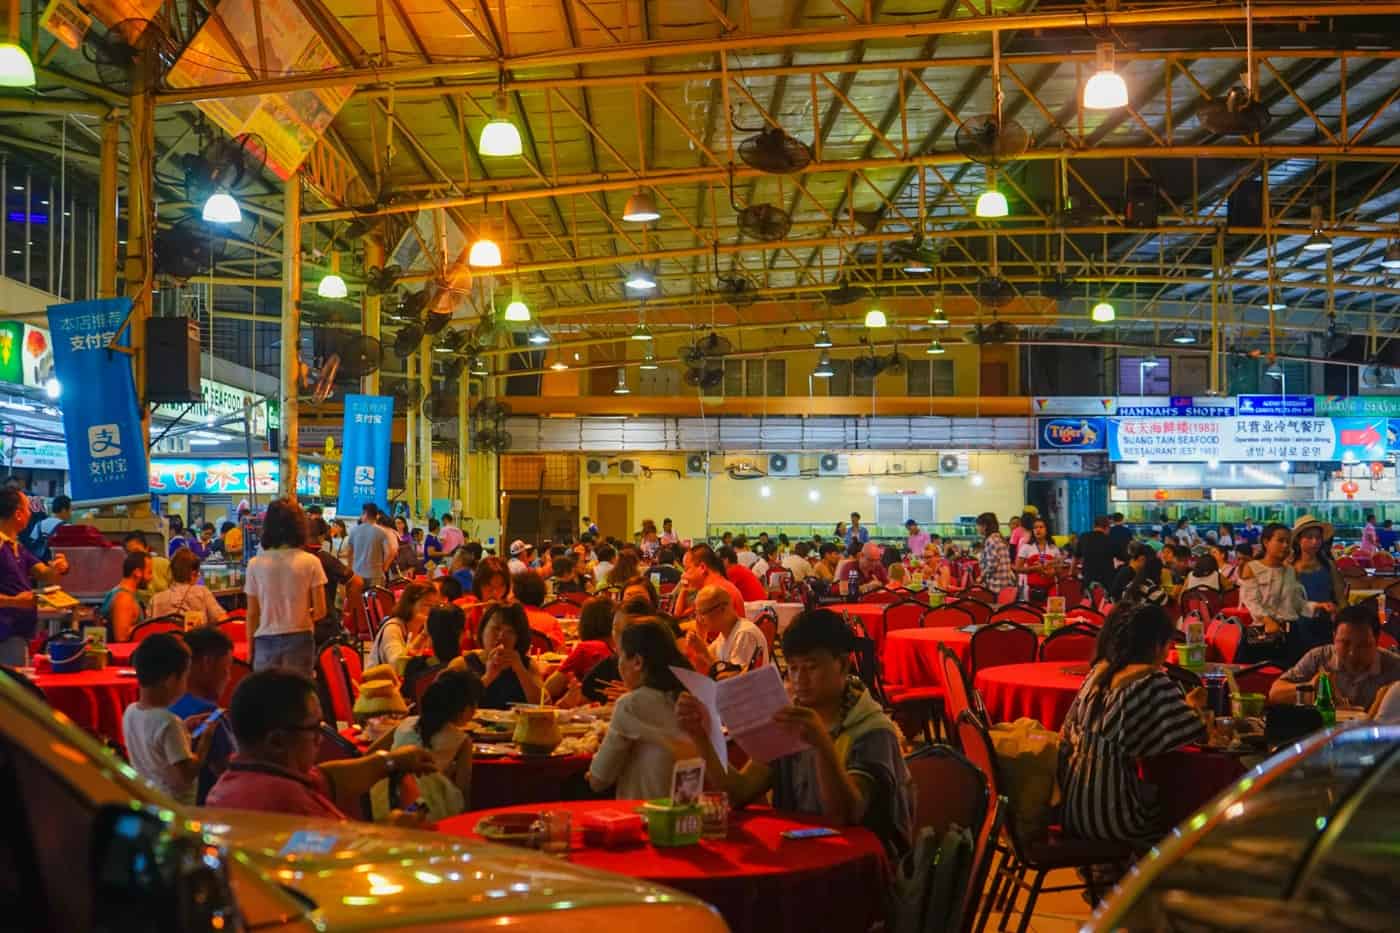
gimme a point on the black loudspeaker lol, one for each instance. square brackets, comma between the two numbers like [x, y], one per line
[172, 360]
[1247, 204]
[398, 473]
[1142, 203]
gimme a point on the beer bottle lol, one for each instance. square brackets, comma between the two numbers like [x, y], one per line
[1326, 705]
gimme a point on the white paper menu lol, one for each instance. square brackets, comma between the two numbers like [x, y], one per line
[745, 705]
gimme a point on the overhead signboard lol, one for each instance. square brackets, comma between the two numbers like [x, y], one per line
[1071, 434]
[1174, 406]
[1289, 406]
[1357, 405]
[1073, 405]
[219, 399]
[227, 477]
[1186, 440]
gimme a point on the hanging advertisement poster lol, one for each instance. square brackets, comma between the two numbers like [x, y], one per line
[364, 460]
[1071, 434]
[1187, 440]
[195, 477]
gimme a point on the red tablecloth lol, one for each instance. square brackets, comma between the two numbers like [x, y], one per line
[1188, 778]
[1041, 691]
[121, 651]
[506, 782]
[871, 615]
[758, 880]
[94, 700]
[911, 655]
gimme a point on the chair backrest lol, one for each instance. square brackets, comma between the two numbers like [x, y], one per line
[1086, 614]
[379, 602]
[988, 835]
[1225, 637]
[1007, 595]
[981, 594]
[144, 630]
[338, 668]
[767, 623]
[332, 746]
[1024, 613]
[1382, 561]
[1071, 588]
[947, 616]
[949, 790]
[1202, 599]
[1350, 567]
[237, 671]
[539, 642]
[882, 595]
[980, 611]
[235, 629]
[1002, 643]
[578, 599]
[1073, 642]
[957, 691]
[561, 609]
[1257, 678]
[906, 613]
[868, 668]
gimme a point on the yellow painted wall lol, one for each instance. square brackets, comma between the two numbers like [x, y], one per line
[664, 494]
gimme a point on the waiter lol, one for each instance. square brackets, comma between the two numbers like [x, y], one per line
[19, 571]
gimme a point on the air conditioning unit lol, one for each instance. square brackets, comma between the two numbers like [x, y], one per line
[629, 469]
[784, 465]
[596, 466]
[953, 464]
[697, 465]
[833, 465]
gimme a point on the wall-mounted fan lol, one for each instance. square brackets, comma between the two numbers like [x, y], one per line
[993, 333]
[766, 222]
[112, 52]
[843, 293]
[183, 251]
[991, 139]
[1235, 114]
[381, 280]
[736, 290]
[993, 291]
[704, 376]
[773, 151]
[407, 340]
[222, 164]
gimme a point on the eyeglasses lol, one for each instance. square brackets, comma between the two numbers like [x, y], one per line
[706, 610]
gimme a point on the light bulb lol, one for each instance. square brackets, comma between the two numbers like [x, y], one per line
[484, 254]
[1103, 313]
[52, 388]
[872, 489]
[1284, 466]
[823, 340]
[641, 279]
[539, 336]
[938, 318]
[928, 490]
[992, 203]
[16, 70]
[332, 286]
[813, 495]
[500, 138]
[764, 491]
[221, 208]
[875, 318]
[977, 479]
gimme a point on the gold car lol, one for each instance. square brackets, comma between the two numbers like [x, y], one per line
[89, 845]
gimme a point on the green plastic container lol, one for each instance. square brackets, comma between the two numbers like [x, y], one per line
[669, 825]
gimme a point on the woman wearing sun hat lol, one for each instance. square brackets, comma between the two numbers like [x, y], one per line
[1312, 562]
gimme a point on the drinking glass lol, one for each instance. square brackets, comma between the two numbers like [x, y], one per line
[557, 826]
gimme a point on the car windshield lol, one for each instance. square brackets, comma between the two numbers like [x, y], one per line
[1237, 873]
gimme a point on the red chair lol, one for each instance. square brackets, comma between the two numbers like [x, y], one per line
[561, 609]
[1071, 588]
[1224, 638]
[379, 602]
[1086, 614]
[1008, 595]
[1382, 562]
[1073, 642]
[338, 668]
[539, 643]
[1023, 613]
[980, 611]
[1020, 855]
[1002, 643]
[143, 630]
[1202, 599]
[905, 614]
[1350, 567]
[235, 629]
[948, 616]
[1257, 678]
[237, 671]
[981, 594]
[578, 599]
[958, 692]
[882, 595]
[1230, 599]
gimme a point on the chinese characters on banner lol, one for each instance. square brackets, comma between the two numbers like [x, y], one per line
[364, 463]
[101, 417]
[1248, 438]
[228, 477]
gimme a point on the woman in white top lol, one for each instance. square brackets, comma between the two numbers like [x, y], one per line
[1205, 573]
[189, 600]
[1038, 558]
[1273, 594]
[445, 710]
[403, 632]
[637, 756]
[286, 588]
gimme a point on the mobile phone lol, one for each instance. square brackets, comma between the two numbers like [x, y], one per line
[416, 807]
[209, 721]
[815, 832]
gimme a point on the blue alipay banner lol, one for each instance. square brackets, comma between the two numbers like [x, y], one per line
[101, 417]
[364, 465]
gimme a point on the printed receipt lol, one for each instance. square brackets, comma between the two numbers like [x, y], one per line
[745, 705]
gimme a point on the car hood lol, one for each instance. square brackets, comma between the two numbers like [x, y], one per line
[355, 875]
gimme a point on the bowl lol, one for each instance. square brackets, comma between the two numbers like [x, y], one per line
[512, 829]
[1245, 705]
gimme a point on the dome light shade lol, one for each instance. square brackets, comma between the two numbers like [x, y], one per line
[558, 366]
[1105, 90]
[935, 347]
[640, 208]
[1318, 242]
[485, 254]
[500, 138]
[824, 369]
[641, 333]
[16, 70]
[823, 340]
[1103, 313]
[221, 208]
[517, 312]
[332, 286]
[539, 336]
[621, 388]
[992, 203]
[939, 318]
[1274, 306]
[649, 359]
[641, 279]
[478, 367]
[875, 318]
[1183, 336]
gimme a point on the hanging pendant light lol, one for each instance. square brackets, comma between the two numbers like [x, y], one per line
[935, 347]
[1391, 260]
[992, 203]
[1318, 241]
[640, 208]
[331, 284]
[517, 312]
[621, 387]
[539, 336]
[500, 138]
[649, 359]
[1103, 313]
[641, 279]
[939, 318]
[824, 368]
[478, 367]
[1106, 90]
[641, 332]
[221, 208]
[823, 340]
[875, 318]
[1183, 336]
[16, 70]
[485, 253]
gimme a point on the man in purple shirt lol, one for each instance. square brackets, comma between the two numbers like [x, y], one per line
[19, 571]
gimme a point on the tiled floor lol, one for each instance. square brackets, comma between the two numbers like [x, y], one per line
[1061, 912]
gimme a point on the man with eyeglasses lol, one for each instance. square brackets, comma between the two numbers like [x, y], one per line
[738, 644]
[277, 722]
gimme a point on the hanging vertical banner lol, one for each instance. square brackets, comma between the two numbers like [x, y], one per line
[101, 417]
[364, 460]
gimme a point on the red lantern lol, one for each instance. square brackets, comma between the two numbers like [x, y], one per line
[1377, 469]
[1160, 495]
[1351, 488]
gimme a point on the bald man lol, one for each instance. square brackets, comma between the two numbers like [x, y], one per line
[869, 568]
[738, 643]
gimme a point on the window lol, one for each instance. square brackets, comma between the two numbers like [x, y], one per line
[930, 377]
[755, 377]
[665, 380]
[894, 511]
[844, 381]
[1137, 376]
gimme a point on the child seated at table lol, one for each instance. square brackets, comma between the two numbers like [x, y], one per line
[156, 741]
[640, 750]
[502, 662]
[595, 624]
[853, 773]
[448, 705]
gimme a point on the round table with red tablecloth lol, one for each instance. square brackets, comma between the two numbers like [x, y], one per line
[758, 880]
[870, 615]
[1187, 779]
[911, 655]
[527, 779]
[94, 700]
[121, 651]
[1042, 691]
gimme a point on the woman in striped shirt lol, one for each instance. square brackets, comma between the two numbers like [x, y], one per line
[1127, 709]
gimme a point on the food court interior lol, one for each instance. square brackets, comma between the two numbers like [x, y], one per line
[1053, 312]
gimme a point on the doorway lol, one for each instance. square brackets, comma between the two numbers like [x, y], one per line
[611, 509]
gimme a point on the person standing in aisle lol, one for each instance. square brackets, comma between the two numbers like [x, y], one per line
[286, 593]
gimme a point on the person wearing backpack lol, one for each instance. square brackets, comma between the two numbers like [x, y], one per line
[42, 526]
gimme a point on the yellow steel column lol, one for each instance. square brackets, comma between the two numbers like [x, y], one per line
[139, 271]
[463, 426]
[424, 506]
[291, 334]
[107, 210]
[374, 257]
[410, 437]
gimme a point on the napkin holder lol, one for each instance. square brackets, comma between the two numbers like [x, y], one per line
[612, 828]
[669, 825]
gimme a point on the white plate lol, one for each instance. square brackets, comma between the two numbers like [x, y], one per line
[503, 716]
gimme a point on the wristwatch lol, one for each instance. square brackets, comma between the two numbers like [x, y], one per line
[391, 765]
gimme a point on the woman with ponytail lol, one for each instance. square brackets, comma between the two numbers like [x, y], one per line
[1128, 709]
[447, 707]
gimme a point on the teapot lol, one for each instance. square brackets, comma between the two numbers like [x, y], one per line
[537, 730]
